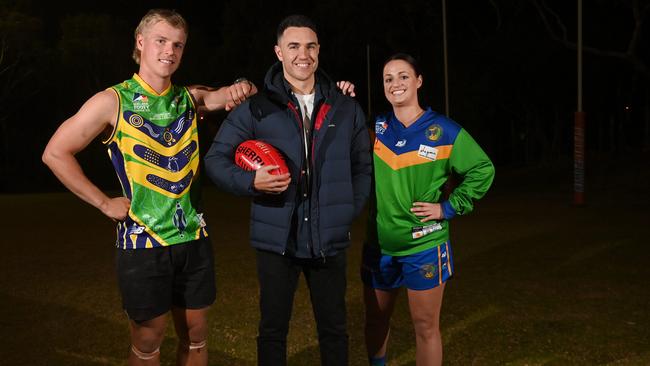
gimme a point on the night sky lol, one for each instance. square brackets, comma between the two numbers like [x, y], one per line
[512, 68]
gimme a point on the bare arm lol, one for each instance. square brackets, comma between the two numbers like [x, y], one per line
[227, 97]
[73, 136]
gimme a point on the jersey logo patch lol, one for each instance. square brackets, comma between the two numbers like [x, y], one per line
[420, 231]
[434, 132]
[401, 143]
[427, 271]
[380, 127]
[428, 152]
[140, 102]
[135, 229]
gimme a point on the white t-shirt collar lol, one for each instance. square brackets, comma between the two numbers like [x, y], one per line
[306, 100]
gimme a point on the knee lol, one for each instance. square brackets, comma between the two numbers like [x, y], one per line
[270, 328]
[144, 353]
[195, 339]
[377, 320]
[196, 334]
[146, 345]
[426, 329]
[273, 331]
[146, 341]
[332, 329]
[273, 326]
[193, 344]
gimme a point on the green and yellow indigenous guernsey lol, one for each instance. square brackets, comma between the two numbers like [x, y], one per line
[411, 165]
[154, 148]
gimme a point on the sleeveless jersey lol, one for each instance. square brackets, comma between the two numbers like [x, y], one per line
[154, 148]
[411, 165]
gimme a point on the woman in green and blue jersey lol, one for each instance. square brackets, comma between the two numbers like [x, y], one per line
[415, 152]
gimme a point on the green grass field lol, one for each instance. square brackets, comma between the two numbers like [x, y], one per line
[538, 281]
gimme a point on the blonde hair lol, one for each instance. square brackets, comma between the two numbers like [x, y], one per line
[154, 16]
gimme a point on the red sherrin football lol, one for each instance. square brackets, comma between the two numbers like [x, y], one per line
[254, 154]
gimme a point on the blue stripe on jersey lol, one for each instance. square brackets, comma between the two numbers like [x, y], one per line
[431, 129]
[118, 163]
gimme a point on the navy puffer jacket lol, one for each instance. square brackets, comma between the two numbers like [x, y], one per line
[341, 163]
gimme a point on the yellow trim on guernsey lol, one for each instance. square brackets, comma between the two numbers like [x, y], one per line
[117, 117]
[154, 235]
[133, 238]
[408, 159]
[149, 89]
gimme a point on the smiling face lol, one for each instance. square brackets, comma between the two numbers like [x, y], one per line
[298, 49]
[401, 84]
[161, 48]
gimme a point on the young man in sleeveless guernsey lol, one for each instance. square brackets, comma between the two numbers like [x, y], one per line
[164, 258]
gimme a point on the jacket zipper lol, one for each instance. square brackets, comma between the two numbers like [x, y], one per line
[307, 176]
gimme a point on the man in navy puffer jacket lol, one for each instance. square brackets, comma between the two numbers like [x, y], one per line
[300, 221]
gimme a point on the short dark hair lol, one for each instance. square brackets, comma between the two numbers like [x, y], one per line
[406, 58]
[295, 20]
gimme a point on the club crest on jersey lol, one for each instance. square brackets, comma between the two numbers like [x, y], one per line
[140, 102]
[427, 271]
[401, 143]
[381, 126]
[434, 133]
[428, 152]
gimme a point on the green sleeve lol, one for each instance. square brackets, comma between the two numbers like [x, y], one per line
[477, 172]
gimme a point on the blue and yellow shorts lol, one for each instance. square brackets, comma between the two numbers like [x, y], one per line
[420, 271]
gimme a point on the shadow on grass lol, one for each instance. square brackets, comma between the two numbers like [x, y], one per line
[40, 333]
[43, 333]
[538, 282]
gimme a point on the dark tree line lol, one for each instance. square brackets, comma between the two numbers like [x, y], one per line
[512, 68]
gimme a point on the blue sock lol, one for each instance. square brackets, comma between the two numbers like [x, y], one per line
[377, 361]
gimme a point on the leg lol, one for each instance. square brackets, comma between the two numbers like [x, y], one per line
[425, 312]
[194, 291]
[327, 285]
[192, 330]
[379, 308]
[382, 278]
[146, 338]
[278, 278]
[145, 280]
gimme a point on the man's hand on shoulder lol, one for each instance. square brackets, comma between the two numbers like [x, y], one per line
[346, 87]
[238, 92]
[227, 97]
